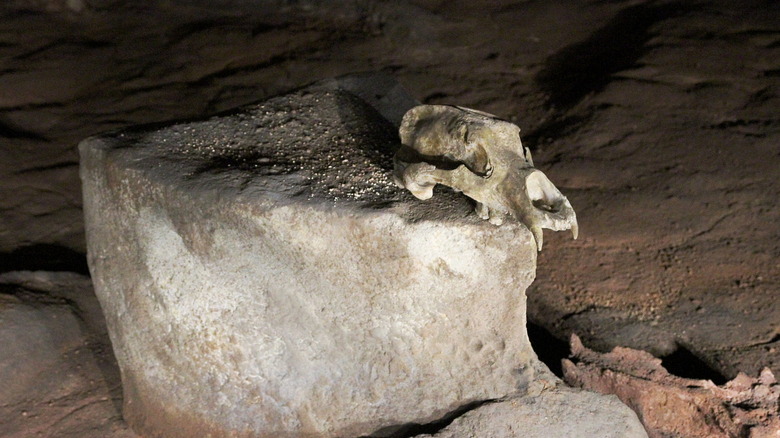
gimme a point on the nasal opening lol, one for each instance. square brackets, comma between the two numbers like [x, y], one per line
[542, 193]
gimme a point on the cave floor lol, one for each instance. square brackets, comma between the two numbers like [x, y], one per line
[659, 120]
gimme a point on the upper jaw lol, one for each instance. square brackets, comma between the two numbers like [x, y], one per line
[541, 205]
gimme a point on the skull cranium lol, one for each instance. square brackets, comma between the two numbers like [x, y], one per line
[482, 156]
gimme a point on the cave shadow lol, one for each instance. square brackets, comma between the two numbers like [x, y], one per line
[549, 349]
[410, 430]
[44, 257]
[84, 305]
[587, 67]
[684, 363]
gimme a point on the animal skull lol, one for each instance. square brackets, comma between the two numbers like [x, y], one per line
[480, 155]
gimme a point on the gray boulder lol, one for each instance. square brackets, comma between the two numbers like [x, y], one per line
[262, 276]
[557, 412]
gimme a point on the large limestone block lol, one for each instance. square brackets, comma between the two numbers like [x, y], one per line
[261, 276]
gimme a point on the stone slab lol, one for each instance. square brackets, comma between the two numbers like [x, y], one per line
[555, 413]
[262, 276]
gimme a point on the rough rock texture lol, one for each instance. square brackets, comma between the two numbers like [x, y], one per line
[262, 276]
[659, 121]
[58, 377]
[671, 406]
[558, 412]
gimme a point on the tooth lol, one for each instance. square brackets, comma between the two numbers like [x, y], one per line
[482, 211]
[496, 219]
[538, 235]
[422, 192]
[575, 230]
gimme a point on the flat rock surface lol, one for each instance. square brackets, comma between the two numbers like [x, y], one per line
[555, 412]
[659, 123]
[321, 146]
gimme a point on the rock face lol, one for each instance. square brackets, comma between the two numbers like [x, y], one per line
[262, 276]
[57, 376]
[555, 413]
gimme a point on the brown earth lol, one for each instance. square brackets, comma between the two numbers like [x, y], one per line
[659, 120]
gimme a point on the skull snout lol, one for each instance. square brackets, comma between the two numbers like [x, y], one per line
[543, 193]
[481, 156]
[550, 209]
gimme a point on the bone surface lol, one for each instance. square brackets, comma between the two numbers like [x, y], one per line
[482, 156]
[262, 276]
